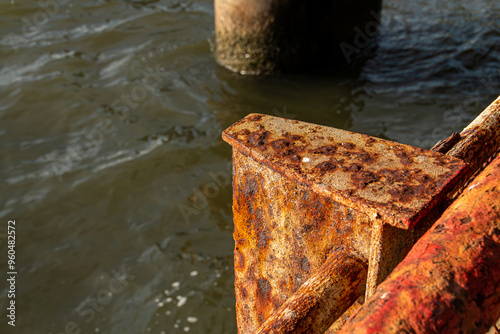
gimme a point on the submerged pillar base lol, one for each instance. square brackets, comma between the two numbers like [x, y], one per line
[272, 36]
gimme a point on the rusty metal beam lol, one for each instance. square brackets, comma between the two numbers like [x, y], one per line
[324, 296]
[394, 183]
[450, 280]
[294, 201]
[301, 190]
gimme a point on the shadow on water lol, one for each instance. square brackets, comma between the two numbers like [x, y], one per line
[327, 98]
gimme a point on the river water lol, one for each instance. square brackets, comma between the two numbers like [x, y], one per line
[110, 120]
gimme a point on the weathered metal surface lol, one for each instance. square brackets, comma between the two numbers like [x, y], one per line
[280, 242]
[391, 244]
[325, 295]
[445, 145]
[283, 233]
[450, 280]
[388, 181]
[301, 190]
[342, 320]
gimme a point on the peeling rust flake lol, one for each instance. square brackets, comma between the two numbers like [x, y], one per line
[258, 139]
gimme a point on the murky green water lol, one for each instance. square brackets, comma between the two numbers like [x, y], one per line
[110, 121]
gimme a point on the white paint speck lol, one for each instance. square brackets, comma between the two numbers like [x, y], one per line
[305, 159]
[289, 314]
[192, 320]
[181, 301]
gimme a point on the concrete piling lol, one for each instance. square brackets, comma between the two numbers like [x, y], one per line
[273, 36]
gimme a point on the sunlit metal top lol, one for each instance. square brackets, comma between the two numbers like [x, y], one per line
[389, 181]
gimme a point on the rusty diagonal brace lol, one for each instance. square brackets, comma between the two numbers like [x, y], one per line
[304, 191]
[450, 280]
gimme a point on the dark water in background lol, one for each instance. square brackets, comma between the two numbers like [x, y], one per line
[110, 120]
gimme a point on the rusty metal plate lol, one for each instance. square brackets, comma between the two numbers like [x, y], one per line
[395, 183]
[283, 233]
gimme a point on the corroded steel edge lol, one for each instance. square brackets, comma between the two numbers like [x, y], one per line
[372, 209]
[450, 280]
[478, 144]
[442, 195]
[337, 325]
